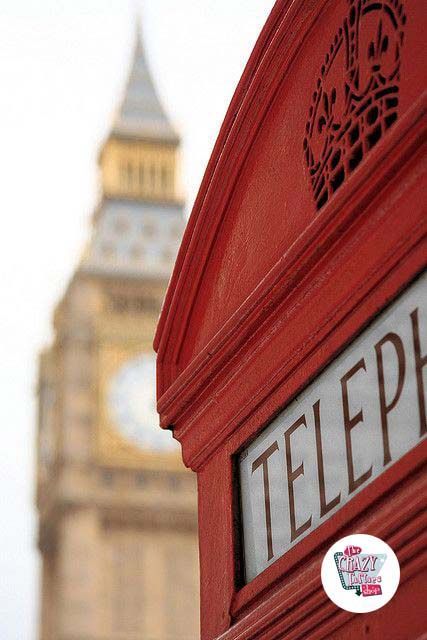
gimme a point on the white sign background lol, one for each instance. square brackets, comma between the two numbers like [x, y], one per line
[367, 443]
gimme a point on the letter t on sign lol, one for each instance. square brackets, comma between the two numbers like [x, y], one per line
[263, 460]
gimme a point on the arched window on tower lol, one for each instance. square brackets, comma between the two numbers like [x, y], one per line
[123, 176]
[141, 176]
[129, 175]
[153, 177]
[165, 179]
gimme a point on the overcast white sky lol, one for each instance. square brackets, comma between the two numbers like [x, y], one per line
[62, 68]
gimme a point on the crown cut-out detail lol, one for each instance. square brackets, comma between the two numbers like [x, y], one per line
[356, 97]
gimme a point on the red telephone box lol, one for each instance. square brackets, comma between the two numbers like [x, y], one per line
[292, 347]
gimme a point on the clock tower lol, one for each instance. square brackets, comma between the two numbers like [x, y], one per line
[117, 510]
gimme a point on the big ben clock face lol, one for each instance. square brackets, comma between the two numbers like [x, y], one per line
[131, 400]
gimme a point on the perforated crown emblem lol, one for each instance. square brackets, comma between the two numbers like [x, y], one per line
[356, 97]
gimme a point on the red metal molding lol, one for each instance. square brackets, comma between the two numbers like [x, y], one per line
[242, 88]
[210, 370]
[265, 72]
[285, 29]
[231, 356]
[387, 159]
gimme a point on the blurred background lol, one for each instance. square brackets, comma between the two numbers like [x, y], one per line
[64, 65]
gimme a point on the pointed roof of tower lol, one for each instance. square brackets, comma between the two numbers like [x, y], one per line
[141, 114]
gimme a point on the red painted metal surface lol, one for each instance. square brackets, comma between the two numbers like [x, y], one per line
[295, 243]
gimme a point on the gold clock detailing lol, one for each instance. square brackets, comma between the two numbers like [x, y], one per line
[128, 432]
[131, 399]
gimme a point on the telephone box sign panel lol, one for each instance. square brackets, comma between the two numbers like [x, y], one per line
[364, 412]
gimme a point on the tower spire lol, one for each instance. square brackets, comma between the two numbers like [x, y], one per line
[139, 221]
[141, 114]
[138, 29]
